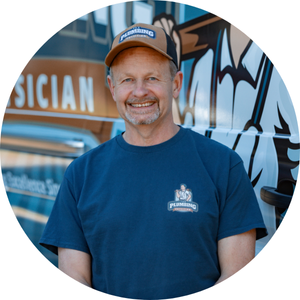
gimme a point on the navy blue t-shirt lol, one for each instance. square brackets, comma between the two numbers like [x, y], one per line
[151, 217]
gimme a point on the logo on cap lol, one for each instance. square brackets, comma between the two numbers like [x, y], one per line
[137, 32]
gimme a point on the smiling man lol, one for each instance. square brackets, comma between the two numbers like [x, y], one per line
[114, 224]
[144, 94]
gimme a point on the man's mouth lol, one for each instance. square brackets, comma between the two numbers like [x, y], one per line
[142, 111]
[142, 104]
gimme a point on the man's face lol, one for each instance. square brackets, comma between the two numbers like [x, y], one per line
[142, 86]
[183, 188]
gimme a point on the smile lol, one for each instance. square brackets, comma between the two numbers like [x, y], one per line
[141, 104]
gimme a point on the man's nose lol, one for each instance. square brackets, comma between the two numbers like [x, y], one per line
[140, 89]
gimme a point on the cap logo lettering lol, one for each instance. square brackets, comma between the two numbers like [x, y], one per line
[137, 32]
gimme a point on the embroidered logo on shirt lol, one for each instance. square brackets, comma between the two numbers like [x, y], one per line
[183, 201]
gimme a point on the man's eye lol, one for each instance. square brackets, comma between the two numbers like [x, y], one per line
[127, 80]
[152, 78]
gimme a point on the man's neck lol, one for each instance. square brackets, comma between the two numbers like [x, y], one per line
[149, 135]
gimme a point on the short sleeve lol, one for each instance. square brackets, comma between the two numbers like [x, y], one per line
[63, 228]
[240, 211]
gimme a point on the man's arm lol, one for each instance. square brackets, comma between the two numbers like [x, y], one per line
[76, 264]
[189, 197]
[235, 252]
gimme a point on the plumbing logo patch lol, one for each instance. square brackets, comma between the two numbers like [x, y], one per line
[183, 200]
[137, 32]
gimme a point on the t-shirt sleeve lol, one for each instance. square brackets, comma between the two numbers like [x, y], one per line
[63, 228]
[240, 211]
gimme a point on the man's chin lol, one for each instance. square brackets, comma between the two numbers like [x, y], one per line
[142, 120]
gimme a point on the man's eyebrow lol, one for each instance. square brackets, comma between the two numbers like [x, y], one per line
[128, 74]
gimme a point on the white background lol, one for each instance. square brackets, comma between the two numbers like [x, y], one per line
[27, 25]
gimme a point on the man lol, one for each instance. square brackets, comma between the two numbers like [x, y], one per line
[110, 223]
[183, 194]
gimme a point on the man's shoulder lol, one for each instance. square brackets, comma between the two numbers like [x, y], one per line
[95, 154]
[206, 142]
[208, 147]
[101, 149]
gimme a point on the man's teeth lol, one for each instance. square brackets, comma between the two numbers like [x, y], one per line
[141, 105]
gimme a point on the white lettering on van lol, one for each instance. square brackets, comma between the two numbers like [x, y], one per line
[52, 187]
[86, 93]
[54, 91]
[42, 80]
[20, 99]
[68, 93]
[30, 90]
[24, 183]
[43, 99]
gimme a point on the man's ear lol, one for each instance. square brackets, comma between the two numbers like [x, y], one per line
[111, 86]
[177, 84]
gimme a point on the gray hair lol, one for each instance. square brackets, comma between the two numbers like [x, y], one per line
[173, 70]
